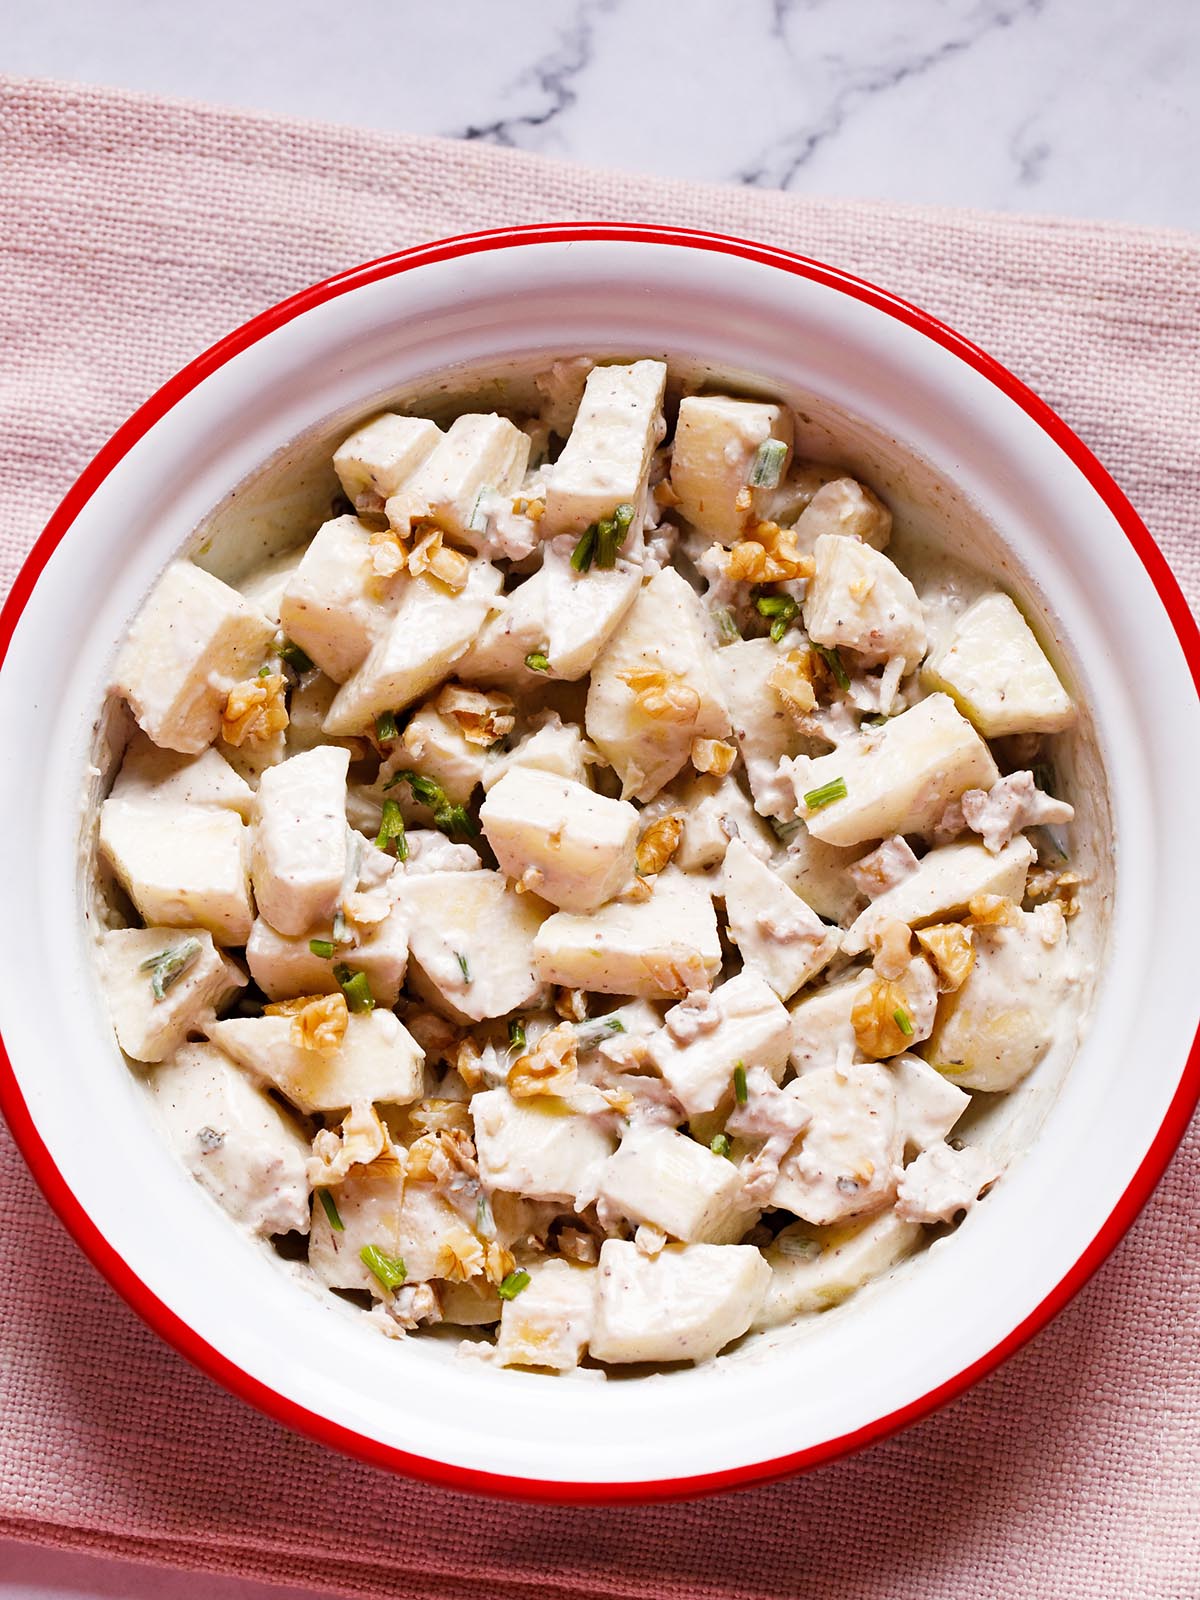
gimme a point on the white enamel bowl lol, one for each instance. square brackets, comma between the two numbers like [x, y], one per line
[954, 440]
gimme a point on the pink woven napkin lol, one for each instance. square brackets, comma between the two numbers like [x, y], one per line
[132, 234]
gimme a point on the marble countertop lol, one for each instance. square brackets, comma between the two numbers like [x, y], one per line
[1080, 107]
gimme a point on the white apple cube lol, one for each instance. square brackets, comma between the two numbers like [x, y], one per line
[472, 938]
[299, 856]
[846, 509]
[744, 1022]
[777, 933]
[334, 605]
[927, 1104]
[571, 846]
[378, 458]
[662, 1178]
[378, 1060]
[998, 674]
[815, 1269]
[899, 778]
[716, 810]
[943, 885]
[762, 725]
[149, 1028]
[157, 777]
[847, 1161]
[550, 1322]
[817, 873]
[684, 1304]
[713, 458]
[192, 640]
[859, 598]
[606, 458]
[182, 866]
[284, 967]
[539, 1147]
[478, 453]
[553, 746]
[434, 745]
[822, 1032]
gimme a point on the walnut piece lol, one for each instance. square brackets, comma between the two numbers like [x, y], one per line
[571, 1004]
[440, 1116]
[891, 941]
[460, 1257]
[431, 555]
[497, 1263]
[548, 1067]
[319, 1021]
[951, 948]
[663, 696]
[875, 1020]
[767, 554]
[792, 680]
[362, 1143]
[255, 710]
[658, 844]
[713, 755]
[484, 717]
[993, 911]
[389, 553]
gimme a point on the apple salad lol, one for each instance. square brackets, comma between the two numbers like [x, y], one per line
[573, 896]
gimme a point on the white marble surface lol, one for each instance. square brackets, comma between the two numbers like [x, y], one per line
[1083, 107]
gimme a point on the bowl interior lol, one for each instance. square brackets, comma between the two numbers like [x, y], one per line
[962, 464]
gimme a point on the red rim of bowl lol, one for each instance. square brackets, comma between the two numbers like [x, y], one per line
[217, 1366]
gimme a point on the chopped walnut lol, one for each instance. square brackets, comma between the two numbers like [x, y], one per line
[484, 717]
[571, 1004]
[875, 1020]
[461, 1256]
[389, 553]
[678, 974]
[366, 910]
[469, 1064]
[440, 1116]
[650, 1241]
[362, 1142]
[891, 941]
[768, 554]
[638, 891]
[536, 510]
[319, 1021]
[1048, 884]
[951, 948]
[713, 755]
[429, 554]
[663, 696]
[255, 710]
[435, 1157]
[659, 843]
[438, 1038]
[578, 1245]
[792, 680]
[414, 1303]
[992, 911]
[497, 1263]
[549, 1066]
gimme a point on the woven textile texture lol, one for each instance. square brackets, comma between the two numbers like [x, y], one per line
[132, 234]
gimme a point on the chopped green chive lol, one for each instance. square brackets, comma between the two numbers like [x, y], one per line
[835, 789]
[450, 819]
[287, 651]
[391, 828]
[766, 469]
[776, 605]
[390, 1270]
[329, 1206]
[464, 966]
[901, 1018]
[726, 624]
[356, 987]
[263, 672]
[516, 1034]
[538, 661]
[485, 1222]
[584, 552]
[323, 948]
[835, 664]
[778, 628]
[740, 1093]
[385, 727]
[589, 1034]
[511, 1286]
[341, 932]
[477, 521]
[721, 1145]
[785, 829]
[168, 966]
[606, 543]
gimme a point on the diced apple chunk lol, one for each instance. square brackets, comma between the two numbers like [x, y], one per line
[192, 640]
[655, 948]
[716, 442]
[899, 778]
[684, 1304]
[300, 839]
[334, 605]
[284, 967]
[378, 1060]
[815, 1269]
[572, 847]
[943, 885]
[702, 1041]
[478, 452]
[264, 587]
[777, 933]
[927, 1104]
[157, 777]
[235, 1141]
[550, 1322]
[848, 1159]
[715, 810]
[539, 1147]
[822, 1033]
[998, 673]
[408, 1221]
[376, 459]
[552, 746]
[150, 1029]
[661, 643]
[847, 509]
[817, 872]
[182, 866]
[564, 615]
[434, 745]
[606, 458]
[431, 629]
[762, 725]
[859, 598]
[995, 1029]
[472, 938]
[664, 1179]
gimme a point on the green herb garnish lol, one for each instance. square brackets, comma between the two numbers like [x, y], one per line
[323, 948]
[448, 818]
[477, 521]
[766, 468]
[589, 1034]
[834, 662]
[516, 1034]
[835, 789]
[585, 551]
[385, 727]
[721, 1145]
[726, 624]
[390, 1270]
[901, 1018]
[464, 966]
[168, 966]
[781, 608]
[606, 543]
[356, 987]
[329, 1206]
[511, 1286]
[287, 651]
[263, 672]
[740, 1093]
[391, 827]
[538, 661]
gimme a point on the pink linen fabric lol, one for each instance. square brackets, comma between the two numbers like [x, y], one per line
[132, 234]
